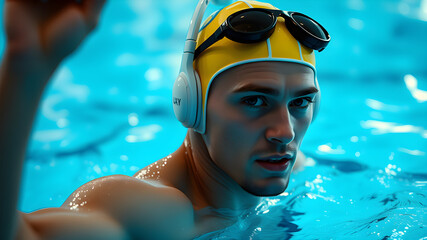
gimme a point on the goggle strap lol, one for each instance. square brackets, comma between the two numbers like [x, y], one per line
[216, 36]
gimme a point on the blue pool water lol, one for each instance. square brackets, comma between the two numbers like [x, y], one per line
[107, 111]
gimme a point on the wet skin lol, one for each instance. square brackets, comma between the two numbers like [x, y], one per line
[254, 111]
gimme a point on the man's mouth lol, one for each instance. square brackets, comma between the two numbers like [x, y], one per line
[275, 163]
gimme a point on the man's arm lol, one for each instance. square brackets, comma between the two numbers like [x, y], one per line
[114, 207]
[39, 35]
[60, 223]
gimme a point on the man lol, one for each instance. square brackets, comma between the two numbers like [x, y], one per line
[248, 103]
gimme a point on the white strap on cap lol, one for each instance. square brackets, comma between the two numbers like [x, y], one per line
[249, 5]
[300, 53]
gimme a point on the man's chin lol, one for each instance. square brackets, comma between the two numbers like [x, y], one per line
[267, 187]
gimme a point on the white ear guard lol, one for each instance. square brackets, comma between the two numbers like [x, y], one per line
[186, 93]
[185, 100]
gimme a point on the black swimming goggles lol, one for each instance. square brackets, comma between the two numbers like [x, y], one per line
[257, 24]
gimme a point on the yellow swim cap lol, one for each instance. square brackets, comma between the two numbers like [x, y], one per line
[225, 54]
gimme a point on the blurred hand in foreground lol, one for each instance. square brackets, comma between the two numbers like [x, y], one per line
[47, 31]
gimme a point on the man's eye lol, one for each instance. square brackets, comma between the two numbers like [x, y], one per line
[255, 101]
[301, 102]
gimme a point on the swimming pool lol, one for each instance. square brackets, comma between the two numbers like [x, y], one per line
[108, 111]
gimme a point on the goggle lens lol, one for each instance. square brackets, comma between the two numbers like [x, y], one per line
[249, 22]
[309, 25]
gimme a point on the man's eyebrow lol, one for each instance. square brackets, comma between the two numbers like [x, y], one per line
[272, 91]
[256, 88]
[307, 91]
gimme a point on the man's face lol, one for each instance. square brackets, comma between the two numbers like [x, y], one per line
[257, 116]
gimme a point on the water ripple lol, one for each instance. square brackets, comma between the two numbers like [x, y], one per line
[379, 127]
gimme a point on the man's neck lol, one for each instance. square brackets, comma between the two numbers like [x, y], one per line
[207, 184]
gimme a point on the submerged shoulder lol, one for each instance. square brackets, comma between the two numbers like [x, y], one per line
[142, 206]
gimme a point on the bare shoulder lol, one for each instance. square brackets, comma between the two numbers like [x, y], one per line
[142, 207]
[122, 188]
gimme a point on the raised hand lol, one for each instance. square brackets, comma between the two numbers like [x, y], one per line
[39, 35]
[48, 30]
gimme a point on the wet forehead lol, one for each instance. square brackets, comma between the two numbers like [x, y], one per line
[283, 76]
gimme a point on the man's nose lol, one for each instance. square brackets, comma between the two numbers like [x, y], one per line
[280, 127]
